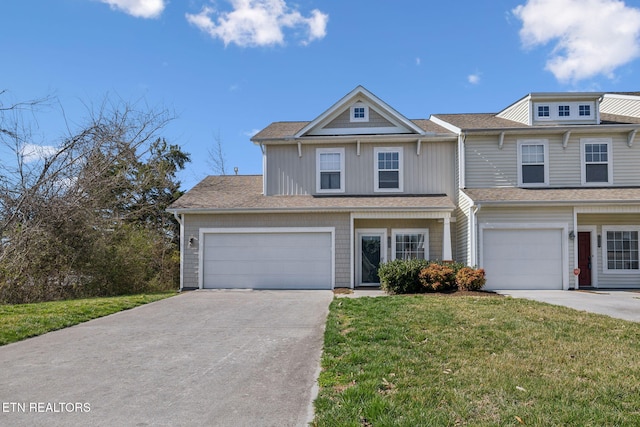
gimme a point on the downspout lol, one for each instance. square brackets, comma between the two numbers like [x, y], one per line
[180, 220]
[473, 234]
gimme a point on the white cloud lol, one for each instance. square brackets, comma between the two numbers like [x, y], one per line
[418, 61]
[33, 153]
[474, 79]
[252, 132]
[590, 37]
[258, 23]
[138, 8]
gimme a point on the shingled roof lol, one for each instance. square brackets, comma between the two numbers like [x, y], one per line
[244, 193]
[553, 195]
[282, 130]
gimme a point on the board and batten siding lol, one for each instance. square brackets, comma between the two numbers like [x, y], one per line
[487, 165]
[194, 222]
[533, 215]
[610, 280]
[431, 172]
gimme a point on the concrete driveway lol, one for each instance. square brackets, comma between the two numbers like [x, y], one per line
[204, 358]
[619, 304]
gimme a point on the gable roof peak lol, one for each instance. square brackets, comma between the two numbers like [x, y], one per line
[397, 122]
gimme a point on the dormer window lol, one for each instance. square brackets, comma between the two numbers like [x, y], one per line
[359, 113]
[564, 111]
[543, 111]
[584, 110]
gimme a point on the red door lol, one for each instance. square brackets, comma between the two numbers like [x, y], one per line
[584, 258]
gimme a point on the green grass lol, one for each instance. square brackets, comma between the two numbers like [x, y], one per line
[21, 321]
[432, 360]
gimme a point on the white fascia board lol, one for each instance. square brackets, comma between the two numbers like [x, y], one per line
[444, 124]
[369, 98]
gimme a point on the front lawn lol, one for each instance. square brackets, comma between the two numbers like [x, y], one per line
[432, 360]
[20, 321]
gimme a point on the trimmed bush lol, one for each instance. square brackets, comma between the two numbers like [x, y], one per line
[438, 277]
[470, 279]
[401, 276]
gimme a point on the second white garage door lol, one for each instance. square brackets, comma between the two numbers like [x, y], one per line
[267, 258]
[523, 258]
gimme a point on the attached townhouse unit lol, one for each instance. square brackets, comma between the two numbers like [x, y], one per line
[543, 195]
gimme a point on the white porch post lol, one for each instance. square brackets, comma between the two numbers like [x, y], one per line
[446, 240]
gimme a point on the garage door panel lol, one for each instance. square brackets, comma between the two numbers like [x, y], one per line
[267, 260]
[523, 258]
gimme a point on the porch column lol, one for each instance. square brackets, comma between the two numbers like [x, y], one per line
[446, 240]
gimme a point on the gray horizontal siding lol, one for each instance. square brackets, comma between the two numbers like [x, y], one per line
[489, 166]
[610, 280]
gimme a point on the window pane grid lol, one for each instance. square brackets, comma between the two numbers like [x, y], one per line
[532, 154]
[564, 111]
[410, 246]
[330, 162]
[543, 111]
[596, 153]
[388, 161]
[622, 250]
[584, 110]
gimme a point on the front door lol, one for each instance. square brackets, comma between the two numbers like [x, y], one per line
[584, 258]
[371, 252]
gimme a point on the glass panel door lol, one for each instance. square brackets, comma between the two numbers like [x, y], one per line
[371, 252]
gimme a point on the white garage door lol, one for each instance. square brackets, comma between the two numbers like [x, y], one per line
[523, 258]
[273, 259]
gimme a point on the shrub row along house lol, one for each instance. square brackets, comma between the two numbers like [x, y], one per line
[547, 186]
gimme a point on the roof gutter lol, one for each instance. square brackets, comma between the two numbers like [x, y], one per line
[299, 210]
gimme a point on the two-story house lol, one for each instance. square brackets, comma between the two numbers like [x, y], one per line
[547, 185]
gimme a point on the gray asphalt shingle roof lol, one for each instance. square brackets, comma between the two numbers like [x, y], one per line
[554, 195]
[244, 192]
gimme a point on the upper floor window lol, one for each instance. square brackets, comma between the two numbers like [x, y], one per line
[584, 110]
[543, 111]
[596, 164]
[359, 112]
[564, 111]
[622, 249]
[330, 170]
[388, 169]
[533, 167]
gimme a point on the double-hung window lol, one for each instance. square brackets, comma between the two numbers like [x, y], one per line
[410, 244]
[330, 170]
[388, 169]
[533, 166]
[596, 161]
[622, 249]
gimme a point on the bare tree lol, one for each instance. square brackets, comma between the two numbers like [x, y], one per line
[217, 158]
[66, 207]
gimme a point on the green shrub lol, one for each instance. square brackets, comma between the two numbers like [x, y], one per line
[470, 279]
[401, 276]
[438, 277]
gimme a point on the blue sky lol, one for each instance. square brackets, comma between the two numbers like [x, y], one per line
[228, 68]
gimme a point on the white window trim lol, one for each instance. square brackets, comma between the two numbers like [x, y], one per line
[342, 174]
[352, 117]
[605, 259]
[583, 163]
[396, 231]
[545, 144]
[537, 112]
[376, 186]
